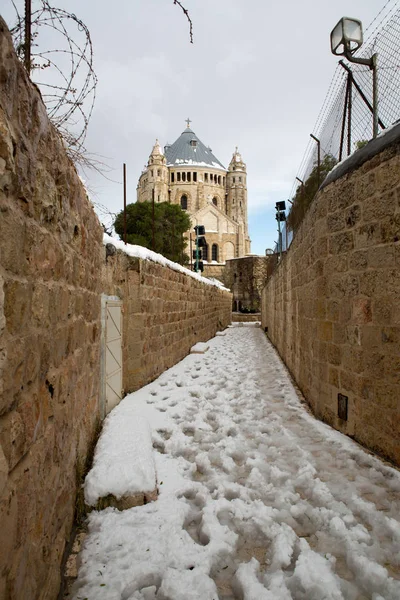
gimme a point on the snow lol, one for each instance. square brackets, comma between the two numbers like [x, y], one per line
[199, 348]
[123, 463]
[196, 163]
[257, 499]
[146, 254]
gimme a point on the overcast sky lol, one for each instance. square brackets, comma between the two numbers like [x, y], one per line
[255, 77]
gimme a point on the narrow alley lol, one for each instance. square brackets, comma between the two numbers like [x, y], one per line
[257, 499]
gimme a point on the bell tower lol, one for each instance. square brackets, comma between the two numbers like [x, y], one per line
[154, 177]
[236, 201]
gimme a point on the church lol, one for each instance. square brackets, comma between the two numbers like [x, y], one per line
[187, 173]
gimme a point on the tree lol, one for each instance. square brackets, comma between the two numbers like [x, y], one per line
[305, 192]
[170, 223]
[360, 144]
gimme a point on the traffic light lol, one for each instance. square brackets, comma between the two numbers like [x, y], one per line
[200, 243]
[280, 210]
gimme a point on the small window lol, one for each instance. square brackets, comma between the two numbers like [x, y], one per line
[172, 177]
[214, 252]
[193, 143]
[240, 180]
[233, 180]
[215, 201]
[204, 252]
[223, 181]
[206, 177]
[189, 177]
[158, 172]
[183, 176]
[219, 179]
[158, 198]
[195, 176]
[184, 202]
[178, 176]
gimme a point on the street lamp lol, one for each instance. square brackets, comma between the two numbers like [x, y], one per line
[347, 38]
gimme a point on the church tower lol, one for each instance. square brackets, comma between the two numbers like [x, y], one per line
[236, 200]
[154, 177]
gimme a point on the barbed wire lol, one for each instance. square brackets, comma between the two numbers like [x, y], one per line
[69, 91]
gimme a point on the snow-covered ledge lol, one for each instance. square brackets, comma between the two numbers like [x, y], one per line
[146, 254]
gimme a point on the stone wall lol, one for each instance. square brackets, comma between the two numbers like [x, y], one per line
[332, 307]
[165, 313]
[50, 258]
[246, 278]
[53, 271]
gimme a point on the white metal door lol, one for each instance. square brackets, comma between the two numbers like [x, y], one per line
[113, 366]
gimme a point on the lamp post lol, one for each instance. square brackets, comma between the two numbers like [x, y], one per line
[346, 39]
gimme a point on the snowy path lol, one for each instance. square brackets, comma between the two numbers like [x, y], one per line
[258, 500]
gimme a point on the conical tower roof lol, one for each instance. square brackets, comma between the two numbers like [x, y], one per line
[189, 150]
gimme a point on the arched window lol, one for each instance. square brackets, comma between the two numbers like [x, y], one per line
[204, 252]
[215, 201]
[184, 202]
[214, 252]
[178, 176]
[183, 176]
[219, 179]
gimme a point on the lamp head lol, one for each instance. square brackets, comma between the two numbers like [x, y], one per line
[346, 36]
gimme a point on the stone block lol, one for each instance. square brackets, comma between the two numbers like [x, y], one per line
[390, 229]
[336, 221]
[358, 260]
[381, 257]
[368, 235]
[17, 304]
[325, 330]
[341, 242]
[382, 310]
[344, 285]
[334, 354]
[388, 175]
[366, 186]
[361, 310]
[343, 193]
[368, 283]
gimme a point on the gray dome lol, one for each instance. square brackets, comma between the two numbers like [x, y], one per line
[189, 150]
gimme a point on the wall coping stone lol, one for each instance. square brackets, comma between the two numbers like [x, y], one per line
[386, 138]
[146, 254]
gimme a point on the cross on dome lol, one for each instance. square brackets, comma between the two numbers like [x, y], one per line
[188, 121]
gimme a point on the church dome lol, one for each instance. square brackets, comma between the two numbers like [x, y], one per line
[188, 150]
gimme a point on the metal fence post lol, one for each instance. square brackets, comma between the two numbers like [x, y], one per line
[124, 174]
[28, 23]
[318, 157]
[346, 100]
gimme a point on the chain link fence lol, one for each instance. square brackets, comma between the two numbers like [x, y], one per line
[345, 122]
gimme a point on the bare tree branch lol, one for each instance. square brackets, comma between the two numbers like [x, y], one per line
[186, 13]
